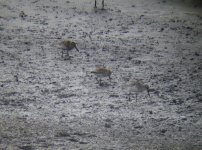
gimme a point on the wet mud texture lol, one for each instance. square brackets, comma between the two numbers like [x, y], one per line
[49, 102]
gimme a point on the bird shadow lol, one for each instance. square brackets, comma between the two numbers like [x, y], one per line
[103, 84]
[100, 10]
[67, 58]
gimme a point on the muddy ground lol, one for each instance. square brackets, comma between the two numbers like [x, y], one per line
[49, 102]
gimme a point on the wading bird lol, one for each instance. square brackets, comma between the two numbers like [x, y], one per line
[136, 87]
[67, 46]
[102, 73]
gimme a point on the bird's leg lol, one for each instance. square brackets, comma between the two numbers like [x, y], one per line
[148, 93]
[16, 78]
[95, 4]
[98, 80]
[136, 97]
[100, 83]
[62, 53]
[67, 55]
[110, 78]
[102, 4]
[129, 97]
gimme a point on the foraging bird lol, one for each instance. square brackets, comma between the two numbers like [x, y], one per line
[67, 46]
[102, 4]
[22, 15]
[136, 87]
[102, 73]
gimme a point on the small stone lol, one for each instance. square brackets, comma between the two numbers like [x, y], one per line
[163, 131]
[83, 142]
[73, 140]
[196, 54]
[110, 19]
[183, 118]
[200, 99]
[150, 112]
[107, 125]
[63, 115]
[174, 101]
[129, 58]
[162, 29]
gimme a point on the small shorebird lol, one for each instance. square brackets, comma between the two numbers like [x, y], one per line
[102, 73]
[102, 4]
[68, 45]
[136, 87]
[22, 15]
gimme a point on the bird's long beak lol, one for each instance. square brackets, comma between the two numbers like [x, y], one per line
[77, 49]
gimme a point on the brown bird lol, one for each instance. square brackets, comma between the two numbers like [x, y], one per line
[102, 4]
[136, 87]
[67, 46]
[102, 73]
